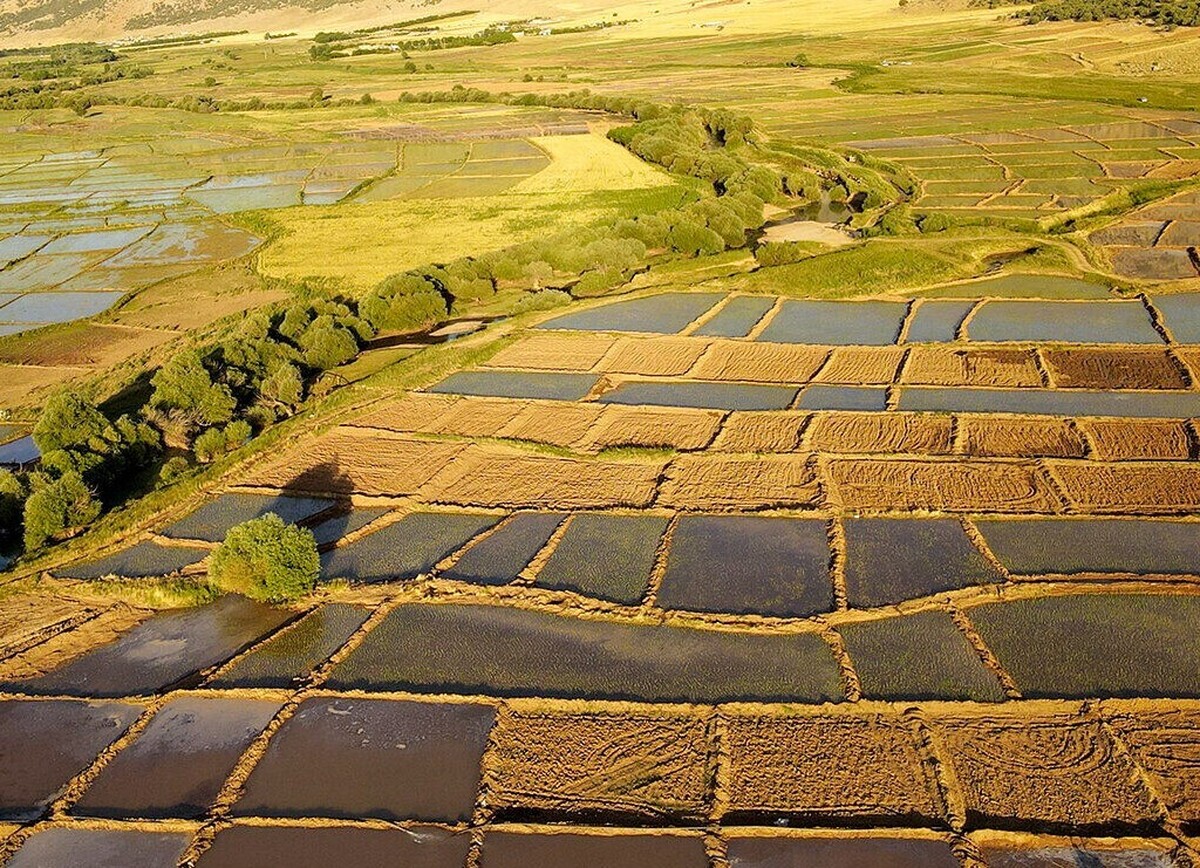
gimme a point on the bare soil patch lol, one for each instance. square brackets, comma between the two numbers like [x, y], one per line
[760, 363]
[861, 366]
[88, 345]
[881, 433]
[1138, 439]
[1100, 368]
[555, 423]
[1145, 487]
[947, 366]
[552, 352]
[761, 431]
[828, 769]
[599, 767]
[654, 357]
[410, 412]
[670, 428]
[495, 476]
[962, 486]
[1057, 773]
[711, 482]
[1006, 436]
[349, 460]
[1166, 744]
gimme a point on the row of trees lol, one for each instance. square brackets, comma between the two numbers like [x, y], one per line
[210, 399]
[1167, 13]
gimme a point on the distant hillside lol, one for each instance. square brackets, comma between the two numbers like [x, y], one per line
[1169, 13]
[24, 22]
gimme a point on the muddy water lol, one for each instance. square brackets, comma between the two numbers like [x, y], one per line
[936, 557]
[139, 561]
[1181, 315]
[608, 557]
[839, 853]
[511, 850]
[865, 323]
[333, 529]
[101, 849]
[372, 758]
[710, 396]
[667, 313]
[502, 384]
[921, 656]
[415, 846]
[57, 739]
[1080, 322]
[169, 649]
[1084, 546]
[748, 564]
[736, 319]
[937, 321]
[1097, 645]
[1051, 402]
[176, 767]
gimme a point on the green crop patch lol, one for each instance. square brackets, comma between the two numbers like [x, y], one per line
[921, 656]
[1097, 645]
[498, 651]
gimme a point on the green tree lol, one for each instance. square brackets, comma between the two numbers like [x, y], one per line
[185, 389]
[268, 560]
[12, 504]
[57, 508]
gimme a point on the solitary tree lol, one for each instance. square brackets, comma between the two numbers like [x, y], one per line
[268, 560]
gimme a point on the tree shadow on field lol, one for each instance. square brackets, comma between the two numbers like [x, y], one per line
[326, 479]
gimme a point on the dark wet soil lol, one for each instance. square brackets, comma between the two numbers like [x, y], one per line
[97, 848]
[748, 564]
[177, 766]
[45, 744]
[372, 758]
[170, 649]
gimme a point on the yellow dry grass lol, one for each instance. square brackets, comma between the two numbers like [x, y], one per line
[881, 433]
[553, 422]
[941, 486]
[759, 363]
[985, 436]
[589, 162]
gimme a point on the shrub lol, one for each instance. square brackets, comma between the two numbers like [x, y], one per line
[936, 222]
[56, 508]
[183, 387]
[598, 282]
[216, 442]
[173, 470]
[545, 299]
[267, 560]
[694, 239]
[12, 503]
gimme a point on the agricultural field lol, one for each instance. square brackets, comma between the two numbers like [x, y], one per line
[683, 435]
